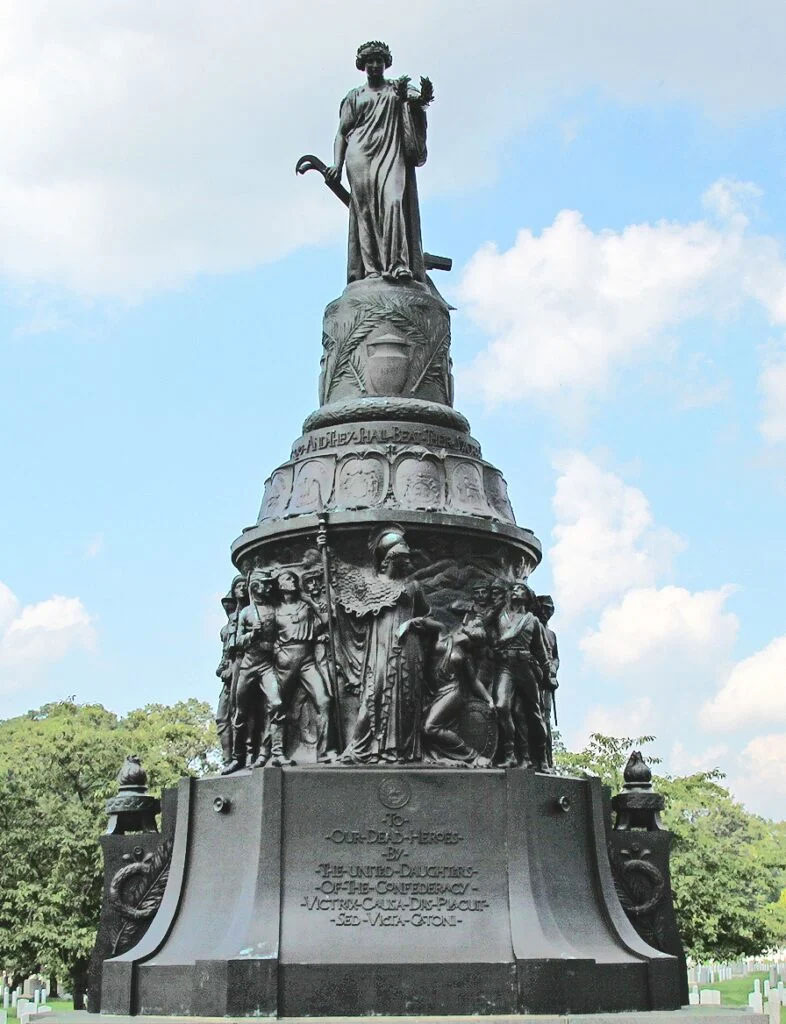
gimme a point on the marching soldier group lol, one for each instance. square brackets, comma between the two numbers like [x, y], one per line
[275, 642]
[271, 643]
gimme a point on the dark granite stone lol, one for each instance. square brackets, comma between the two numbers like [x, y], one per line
[409, 891]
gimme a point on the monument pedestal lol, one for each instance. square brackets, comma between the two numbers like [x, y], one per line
[389, 890]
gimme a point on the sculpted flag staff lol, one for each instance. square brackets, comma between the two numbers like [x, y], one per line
[323, 551]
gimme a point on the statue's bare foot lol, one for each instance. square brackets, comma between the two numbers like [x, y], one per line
[233, 766]
[329, 757]
[261, 761]
[280, 761]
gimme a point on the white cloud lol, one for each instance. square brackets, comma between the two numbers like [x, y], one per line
[567, 308]
[605, 537]
[36, 635]
[145, 143]
[684, 760]
[670, 627]
[634, 718]
[732, 201]
[760, 781]
[9, 606]
[772, 385]
[754, 693]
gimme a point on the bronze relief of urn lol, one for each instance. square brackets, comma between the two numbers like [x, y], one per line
[388, 363]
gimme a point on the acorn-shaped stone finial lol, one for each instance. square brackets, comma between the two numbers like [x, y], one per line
[637, 771]
[132, 774]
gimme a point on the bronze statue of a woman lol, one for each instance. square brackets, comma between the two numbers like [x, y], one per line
[382, 139]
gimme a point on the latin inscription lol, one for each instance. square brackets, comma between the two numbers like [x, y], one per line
[430, 437]
[398, 874]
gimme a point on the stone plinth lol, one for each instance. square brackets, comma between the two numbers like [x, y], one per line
[383, 338]
[312, 891]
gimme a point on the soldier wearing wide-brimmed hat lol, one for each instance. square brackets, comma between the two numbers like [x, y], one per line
[522, 663]
[544, 609]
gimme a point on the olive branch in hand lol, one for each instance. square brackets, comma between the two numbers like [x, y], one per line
[426, 91]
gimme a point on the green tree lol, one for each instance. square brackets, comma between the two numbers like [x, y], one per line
[724, 869]
[604, 756]
[728, 866]
[58, 766]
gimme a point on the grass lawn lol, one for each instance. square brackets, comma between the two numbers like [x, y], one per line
[56, 1004]
[735, 992]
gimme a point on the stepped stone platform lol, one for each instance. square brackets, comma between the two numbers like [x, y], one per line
[692, 1015]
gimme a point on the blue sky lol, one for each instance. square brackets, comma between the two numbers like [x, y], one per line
[610, 186]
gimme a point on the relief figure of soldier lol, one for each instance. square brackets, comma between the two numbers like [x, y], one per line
[233, 603]
[382, 139]
[522, 663]
[298, 653]
[545, 610]
[256, 683]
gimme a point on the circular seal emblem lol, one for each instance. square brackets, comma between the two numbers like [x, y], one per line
[394, 793]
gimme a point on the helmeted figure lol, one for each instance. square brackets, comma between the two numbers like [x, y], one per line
[522, 663]
[545, 609]
[298, 625]
[388, 726]
[382, 138]
[233, 603]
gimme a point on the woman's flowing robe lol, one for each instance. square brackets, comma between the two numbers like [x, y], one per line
[391, 698]
[386, 140]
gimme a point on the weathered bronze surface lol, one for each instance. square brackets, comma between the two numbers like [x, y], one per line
[417, 854]
[396, 670]
[639, 849]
